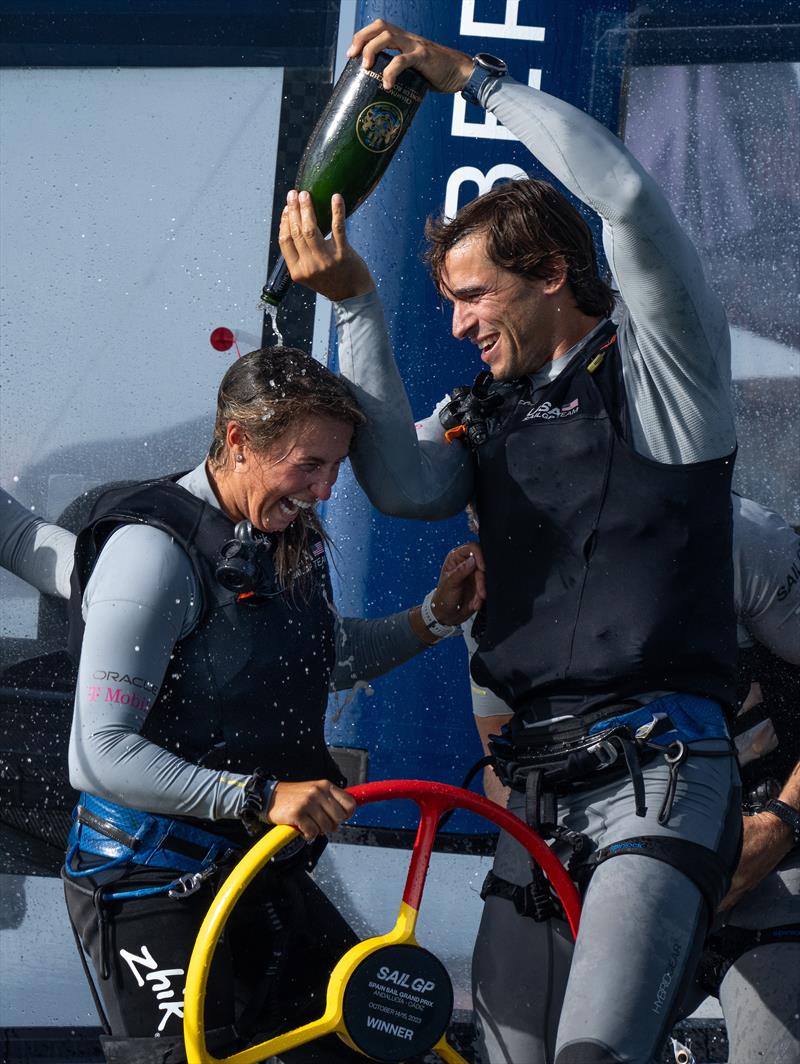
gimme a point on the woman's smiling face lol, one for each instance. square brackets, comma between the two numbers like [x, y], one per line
[270, 488]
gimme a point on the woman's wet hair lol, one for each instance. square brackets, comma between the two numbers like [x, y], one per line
[268, 393]
[531, 230]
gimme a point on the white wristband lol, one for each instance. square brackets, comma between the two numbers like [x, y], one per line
[441, 631]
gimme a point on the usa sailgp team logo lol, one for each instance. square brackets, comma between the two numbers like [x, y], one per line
[378, 126]
[551, 411]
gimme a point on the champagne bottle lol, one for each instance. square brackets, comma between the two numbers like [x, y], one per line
[352, 144]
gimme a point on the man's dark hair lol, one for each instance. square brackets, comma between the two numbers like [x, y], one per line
[531, 230]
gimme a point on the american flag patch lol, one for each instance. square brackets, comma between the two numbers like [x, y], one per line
[318, 549]
[570, 408]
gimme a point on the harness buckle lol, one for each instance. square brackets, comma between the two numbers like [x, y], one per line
[605, 751]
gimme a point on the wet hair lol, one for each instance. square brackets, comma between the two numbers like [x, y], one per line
[531, 230]
[268, 393]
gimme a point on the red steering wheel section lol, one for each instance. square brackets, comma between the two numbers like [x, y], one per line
[436, 799]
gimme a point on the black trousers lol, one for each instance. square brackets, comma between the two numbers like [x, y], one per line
[270, 968]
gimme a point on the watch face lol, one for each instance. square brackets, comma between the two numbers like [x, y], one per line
[491, 64]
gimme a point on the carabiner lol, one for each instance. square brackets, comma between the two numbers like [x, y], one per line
[191, 882]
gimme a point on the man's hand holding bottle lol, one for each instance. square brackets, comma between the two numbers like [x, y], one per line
[446, 69]
[331, 266]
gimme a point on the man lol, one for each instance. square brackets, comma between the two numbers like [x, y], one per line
[753, 956]
[599, 456]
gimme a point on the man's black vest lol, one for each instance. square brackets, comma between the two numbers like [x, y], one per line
[608, 574]
[248, 687]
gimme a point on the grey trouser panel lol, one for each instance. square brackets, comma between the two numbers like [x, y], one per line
[613, 996]
[760, 993]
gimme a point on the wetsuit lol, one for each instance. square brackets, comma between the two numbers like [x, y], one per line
[35, 550]
[756, 984]
[753, 955]
[664, 390]
[183, 691]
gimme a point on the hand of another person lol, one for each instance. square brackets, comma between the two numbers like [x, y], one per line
[331, 267]
[461, 590]
[766, 842]
[314, 807]
[446, 69]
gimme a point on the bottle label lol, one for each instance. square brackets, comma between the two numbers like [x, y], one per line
[404, 93]
[379, 125]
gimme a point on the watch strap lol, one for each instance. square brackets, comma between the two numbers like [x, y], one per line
[441, 631]
[474, 84]
[784, 812]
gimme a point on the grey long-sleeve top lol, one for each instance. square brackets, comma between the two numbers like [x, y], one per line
[673, 335]
[141, 599]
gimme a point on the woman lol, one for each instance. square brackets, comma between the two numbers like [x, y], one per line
[199, 714]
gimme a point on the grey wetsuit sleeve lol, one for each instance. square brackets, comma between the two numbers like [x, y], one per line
[766, 571]
[368, 647]
[141, 598]
[674, 337]
[406, 470]
[34, 550]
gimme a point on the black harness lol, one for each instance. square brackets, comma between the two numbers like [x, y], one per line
[552, 769]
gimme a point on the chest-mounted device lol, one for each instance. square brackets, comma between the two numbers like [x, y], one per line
[473, 413]
[244, 563]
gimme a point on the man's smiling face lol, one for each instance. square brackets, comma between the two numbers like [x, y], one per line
[509, 317]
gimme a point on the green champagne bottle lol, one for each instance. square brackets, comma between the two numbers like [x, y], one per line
[352, 144]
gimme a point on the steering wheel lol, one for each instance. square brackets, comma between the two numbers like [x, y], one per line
[387, 997]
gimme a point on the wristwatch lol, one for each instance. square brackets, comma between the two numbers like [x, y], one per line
[784, 812]
[485, 66]
[440, 631]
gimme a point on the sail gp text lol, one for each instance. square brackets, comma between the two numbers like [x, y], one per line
[160, 982]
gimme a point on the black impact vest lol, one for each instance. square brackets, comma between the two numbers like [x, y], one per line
[248, 687]
[608, 574]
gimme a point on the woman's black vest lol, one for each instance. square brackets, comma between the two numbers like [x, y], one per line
[608, 574]
[248, 687]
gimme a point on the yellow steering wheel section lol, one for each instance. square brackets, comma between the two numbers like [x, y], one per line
[391, 998]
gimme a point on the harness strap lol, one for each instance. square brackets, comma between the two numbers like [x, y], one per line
[635, 772]
[704, 867]
[726, 946]
[132, 837]
[522, 897]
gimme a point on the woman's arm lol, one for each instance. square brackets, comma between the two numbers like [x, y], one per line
[366, 648]
[35, 550]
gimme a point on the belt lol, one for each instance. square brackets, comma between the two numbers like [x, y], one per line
[129, 836]
[570, 763]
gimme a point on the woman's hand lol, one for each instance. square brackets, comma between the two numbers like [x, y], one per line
[446, 69]
[460, 592]
[314, 807]
[331, 267]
